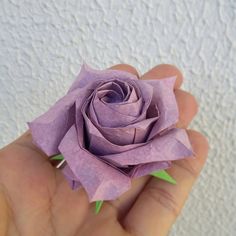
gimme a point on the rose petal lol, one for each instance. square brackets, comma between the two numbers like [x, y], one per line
[48, 129]
[71, 178]
[134, 133]
[108, 117]
[129, 105]
[87, 75]
[131, 109]
[100, 180]
[165, 99]
[100, 145]
[109, 96]
[104, 141]
[115, 86]
[124, 88]
[146, 169]
[146, 95]
[132, 96]
[110, 92]
[172, 146]
[105, 110]
[68, 172]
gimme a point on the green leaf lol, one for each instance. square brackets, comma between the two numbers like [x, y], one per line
[57, 157]
[98, 206]
[162, 174]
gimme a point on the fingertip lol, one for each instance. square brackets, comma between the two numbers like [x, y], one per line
[163, 71]
[188, 107]
[199, 143]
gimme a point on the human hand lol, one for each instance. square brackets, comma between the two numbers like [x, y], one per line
[35, 198]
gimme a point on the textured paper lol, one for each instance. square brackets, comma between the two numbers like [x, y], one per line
[111, 127]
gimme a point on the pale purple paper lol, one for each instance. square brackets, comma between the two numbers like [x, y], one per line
[111, 127]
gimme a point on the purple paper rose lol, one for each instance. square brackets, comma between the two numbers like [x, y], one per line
[111, 127]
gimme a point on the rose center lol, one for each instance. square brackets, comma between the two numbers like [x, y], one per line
[114, 92]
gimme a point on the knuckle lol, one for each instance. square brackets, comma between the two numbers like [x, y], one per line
[188, 107]
[189, 170]
[163, 198]
[187, 100]
[203, 144]
[194, 102]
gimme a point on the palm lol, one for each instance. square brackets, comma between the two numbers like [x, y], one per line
[38, 194]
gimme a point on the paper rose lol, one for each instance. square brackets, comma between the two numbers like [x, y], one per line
[111, 127]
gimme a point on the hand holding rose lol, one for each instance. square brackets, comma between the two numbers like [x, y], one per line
[148, 208]
[110, 128]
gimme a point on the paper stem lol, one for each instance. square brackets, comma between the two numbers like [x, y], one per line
[98, 206]
[162, 174]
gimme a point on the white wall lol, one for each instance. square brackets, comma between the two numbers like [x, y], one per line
[43, 44]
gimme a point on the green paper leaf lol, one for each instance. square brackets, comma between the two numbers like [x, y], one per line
[162, 174]
[98, 206]
[57, 157]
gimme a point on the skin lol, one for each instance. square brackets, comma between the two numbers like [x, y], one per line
[35, 199]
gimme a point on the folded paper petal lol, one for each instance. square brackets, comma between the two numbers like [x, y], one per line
[102, 112]
[131, 134]
[111, 127]
[164, 98]
[117, 101]
[100, 180]
[124, 133]
[71, 178]
[87, 75]
[134, 133]
[68, 172]
[146, 169]
[108, 117]
[101, 145]
[172, 146]
[115, 140]
[48, 129]
[121, 92]
[131, 109]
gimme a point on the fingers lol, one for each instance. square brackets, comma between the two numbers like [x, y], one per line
[159, 204]
[187, 106]
[163, 71]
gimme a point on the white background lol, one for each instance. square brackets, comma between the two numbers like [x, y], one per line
[43, 44]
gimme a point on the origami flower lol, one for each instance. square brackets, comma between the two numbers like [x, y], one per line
[111, 127]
